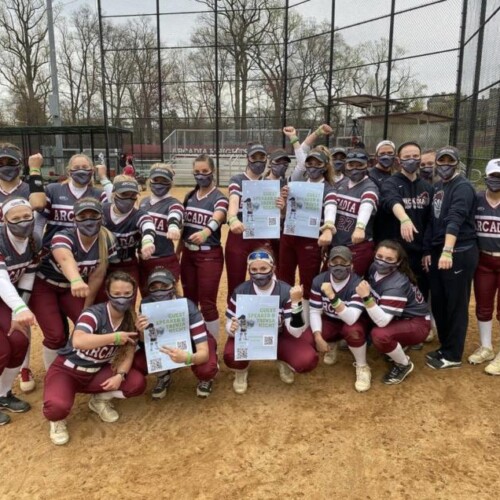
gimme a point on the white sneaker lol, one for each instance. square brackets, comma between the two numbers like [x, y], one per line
[286, 373]
[493, 368]
[103, 408]
[240, 383]
[363, 378]
[26, 380]
[330, 357]
[480, 355]
[59, 432]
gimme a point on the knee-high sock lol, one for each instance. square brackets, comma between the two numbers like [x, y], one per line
[359, 354]
[306, 309]
[26, 362]
[213, 328]
[49, 356]
[399, 356]
[485, 332]
[7, 379]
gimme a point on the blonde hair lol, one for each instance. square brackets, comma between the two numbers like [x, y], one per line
[9, 145]
[123, 177]
[162, 166]
[70, 162]
[329, 174]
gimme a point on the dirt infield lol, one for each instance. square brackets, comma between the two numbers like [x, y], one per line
[434, 436]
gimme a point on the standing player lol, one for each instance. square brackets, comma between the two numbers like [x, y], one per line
[339, 156]
[18, 261]
[162, 286]
[385, 156]
[427, 166]
[305, 253]
[85, 363]
[295, 345]
[357, 202]
[167, 213]
[451, 257]
[70, 276]
[202, 260]
[336, 314]
[487, 277]
[396, 306]
[237, 248]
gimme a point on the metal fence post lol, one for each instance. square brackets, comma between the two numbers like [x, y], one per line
[160, 83]
[330, 72]
[389, 70]
[217, 95]
[285, 72]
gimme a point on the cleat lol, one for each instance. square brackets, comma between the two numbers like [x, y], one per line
[398, 373]
[363, 378]
[442, 364]
[240, 383]
[480, 355]
[13, 404]
[104, 409]
[59, 432]
[204, 388]
[26, 380]
[493, 368]
[330, 357]
[286, 373]
[163, 382]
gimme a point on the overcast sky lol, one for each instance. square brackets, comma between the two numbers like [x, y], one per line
[435, 27]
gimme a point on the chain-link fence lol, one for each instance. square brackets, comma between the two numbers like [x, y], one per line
[221, 73]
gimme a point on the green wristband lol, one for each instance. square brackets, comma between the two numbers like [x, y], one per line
[20, 308]
[118, 339]
[336, 303]
[406, 220]
[188, 359]
[294, 139]
[76, 280]
[448, 255]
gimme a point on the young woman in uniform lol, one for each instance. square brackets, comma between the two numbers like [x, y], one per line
[89, 363]
[202, 259]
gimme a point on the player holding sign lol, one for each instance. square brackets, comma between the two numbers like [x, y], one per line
[487, 277]
[296, 351]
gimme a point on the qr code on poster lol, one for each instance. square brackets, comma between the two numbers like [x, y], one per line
[182, 345]
[156, 365]
[272, 222]
[313, 221]
[242, 353]
[268, 340]
[290, 229]
[249, 232]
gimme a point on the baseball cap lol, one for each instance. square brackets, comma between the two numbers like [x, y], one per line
[335, 151]
[385, 143]
[87, 204]
[160, 172]
[162, 275]
[125, 186]
[319, 155]
[357, 155]
[279, 154]
[448, 150]
[342, 252]
[493, 167]
[256, 148]
[10, 153]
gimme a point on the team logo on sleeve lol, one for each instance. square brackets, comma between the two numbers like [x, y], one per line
[419, 298]
[437, 203]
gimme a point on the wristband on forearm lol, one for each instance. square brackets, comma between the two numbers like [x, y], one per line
[213, 225]
[232, 220]
[327, 225]
[336, 302]
[447, 255]
[188, 359]
[368, 300]
[35, 183]
[293, 139]
[360, 225]
[405, 221]
[319, 132]
[76, 280]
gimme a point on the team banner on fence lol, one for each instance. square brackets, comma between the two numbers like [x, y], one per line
[303, 209]
[168, 327]
[257, 335]
[261, 216]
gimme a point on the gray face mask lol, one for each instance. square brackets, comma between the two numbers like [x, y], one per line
[82, 177]
[493, 184]
[445, 172]
[386, 161]
[340, 272]
[426, 173]
[203, 180]
[9, 173]
[124, 205]
[161, 295]
[22, 229]
[159, 189]
[356, 175]
[121, 304]
[383, 267]
[257, 167]
[262, 279]
[410, 166]
[339, 165]
[279, 169]
[89, 227]
[315, 172]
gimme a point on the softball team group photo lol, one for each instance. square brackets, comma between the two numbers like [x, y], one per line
[403, 240]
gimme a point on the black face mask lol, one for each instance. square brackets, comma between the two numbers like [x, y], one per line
[22, 229]
[279, 169]
[203, 180]
[121, 304]
[257, 167]
[340, 272]
[446, 172]
[262, 279]
[386, 161]
[161, 295]
[493, 184]
[411, 165]
[159, 189]
[383, 267]
[426, 173]
[356, 175]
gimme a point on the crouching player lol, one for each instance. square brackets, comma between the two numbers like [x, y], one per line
[295, 344]
[336, 314]
[161, 286]
[89, 362]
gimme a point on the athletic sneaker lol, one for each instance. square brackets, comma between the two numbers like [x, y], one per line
[417, 347]
[493, 368]
[286, 373]
[59, 432]
[480, 355]
[26, 380]
[397, 373]
[4, 418]
[13, 404]
[330, 357]
[363, 378]
[433, 355]
[163, 382]
[204, 388]
[442, 363]
[240, 383]
[104, 408]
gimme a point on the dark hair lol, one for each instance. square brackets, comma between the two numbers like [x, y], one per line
[211, 164]
[404, 266]
[128, 322]
[409, 143]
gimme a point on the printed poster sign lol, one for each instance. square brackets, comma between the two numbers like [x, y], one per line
[261, 216]
[303, 209]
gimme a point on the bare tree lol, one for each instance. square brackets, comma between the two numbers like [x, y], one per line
[24, 57]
